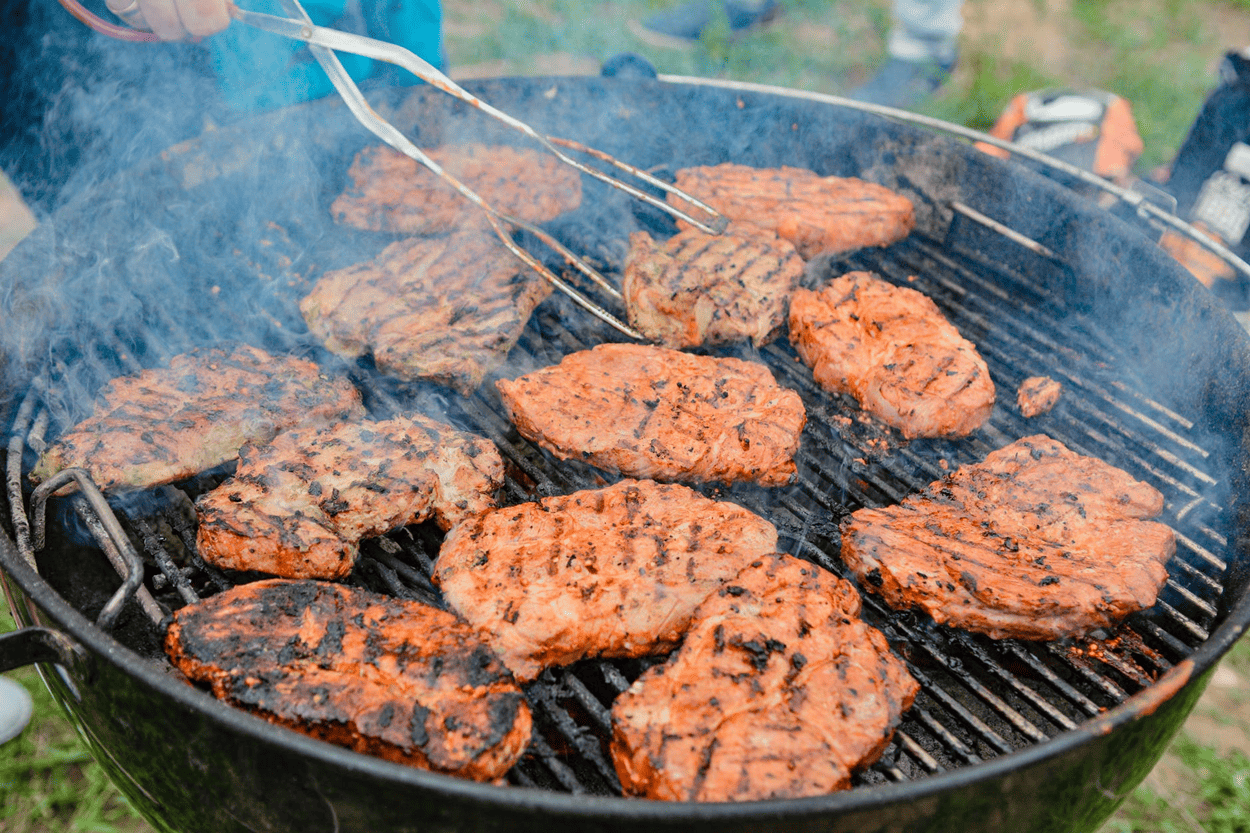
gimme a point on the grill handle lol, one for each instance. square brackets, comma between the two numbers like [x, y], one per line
[27, 646]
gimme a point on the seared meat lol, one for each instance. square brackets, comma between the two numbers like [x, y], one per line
[612, 572]
[1035, 542]
[892, 349]
[697, 288]
[1037, 395]
[779, 690]
[445, 309]
[393, 192]
[169, 423]
[396, 679]
[298, 506]
[661, 414]
[817, 214]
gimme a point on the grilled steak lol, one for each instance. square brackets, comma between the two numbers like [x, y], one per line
[662, 414]
[698, 288]
[393, 192]
[298, 506]
[892, 349]
[166, 424]
[612, 572]
[815, 213]
[445, 309]
[779, 690]
[1037, 395]
[1035, 542]
[396, 679]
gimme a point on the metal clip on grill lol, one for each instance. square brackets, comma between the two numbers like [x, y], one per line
[323, 42]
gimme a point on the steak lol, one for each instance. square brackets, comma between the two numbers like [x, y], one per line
[818, 214]
[299, 506]
[613, 572]
[396, 679]
[779, 690]
[445, 309]
[1037, 395]
[1034, 542]
[651, 412]
[170, 423]
[697, 288]
[390, 191]
[891, 348]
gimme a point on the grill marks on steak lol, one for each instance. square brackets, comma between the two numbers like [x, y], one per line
[392, 192]
[892, 349]
[445, 309]
[697, 288]
[817, 214]
[299, 506]
[386, 677]
[170, 423]
[1035, 542]
[779, 690]
[651, 412]
[613, 572]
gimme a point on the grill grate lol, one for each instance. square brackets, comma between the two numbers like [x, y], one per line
[980, 698]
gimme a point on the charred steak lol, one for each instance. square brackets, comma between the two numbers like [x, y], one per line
[698, 288]
[298, 506]
[1034, 542]
[390, 191]
[651, 412]
[779, 690]
[396, 679]
[1037, 395]
[612, 572]
[892, 349]
[815, 213]
[169, 423]
[445, 309]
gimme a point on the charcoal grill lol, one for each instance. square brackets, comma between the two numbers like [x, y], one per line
[1005, 735]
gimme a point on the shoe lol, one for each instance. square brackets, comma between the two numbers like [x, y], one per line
[15, 709]
[904, 84]
[687, 21]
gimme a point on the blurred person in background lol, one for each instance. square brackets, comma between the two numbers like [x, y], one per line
[922, 47]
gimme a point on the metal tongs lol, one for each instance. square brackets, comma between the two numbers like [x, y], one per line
[323, 42]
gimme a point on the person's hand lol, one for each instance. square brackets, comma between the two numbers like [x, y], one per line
[174, 19]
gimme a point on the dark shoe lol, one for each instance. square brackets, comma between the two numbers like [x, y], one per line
[904, 84]
[688, 20]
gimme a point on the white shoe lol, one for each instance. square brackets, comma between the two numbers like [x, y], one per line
[15, 709]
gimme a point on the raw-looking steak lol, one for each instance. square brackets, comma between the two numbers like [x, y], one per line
[169, 423]
[396, 679]
[446, 309]
[697, 288]
[390, 191]
[779, 690]
[891, 348]
[1037, 395]
[613, 572]
[818, 214]
[651, 412]
[1034, 542]
[298, 506]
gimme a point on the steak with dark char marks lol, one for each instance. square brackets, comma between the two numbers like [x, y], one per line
[390, 191]
[698, 288]
[818, 214]
[1034, 542]
[779, 690]
[651, 412]
[396, 679]
[892, 349]
[613, 572]
[299, 506]
[169, 423]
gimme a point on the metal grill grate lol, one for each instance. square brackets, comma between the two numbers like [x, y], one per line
[980, 698]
